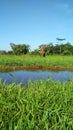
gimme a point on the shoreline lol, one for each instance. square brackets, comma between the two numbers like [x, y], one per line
[35, 67]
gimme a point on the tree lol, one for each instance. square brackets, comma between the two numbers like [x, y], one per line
[19, 48]
[2, 52]
[59, 41]
[68, 49]
[57, 49]
[50, 48]
[35, 52]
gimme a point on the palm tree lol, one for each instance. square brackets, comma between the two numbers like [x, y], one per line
[59, 41]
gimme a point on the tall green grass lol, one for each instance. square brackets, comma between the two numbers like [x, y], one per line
[41, 105]
[29, 60]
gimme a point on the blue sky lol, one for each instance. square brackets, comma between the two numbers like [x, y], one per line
[35, 22]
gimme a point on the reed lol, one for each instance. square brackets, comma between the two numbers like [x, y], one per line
[41, 105]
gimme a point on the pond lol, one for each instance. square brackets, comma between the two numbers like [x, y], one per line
[23, 76]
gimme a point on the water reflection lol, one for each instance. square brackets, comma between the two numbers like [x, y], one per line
[24, 76]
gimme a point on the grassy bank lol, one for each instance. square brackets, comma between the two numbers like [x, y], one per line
[37, 62]
[43, 105]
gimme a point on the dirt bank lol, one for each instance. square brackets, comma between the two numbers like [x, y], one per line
[52, 68]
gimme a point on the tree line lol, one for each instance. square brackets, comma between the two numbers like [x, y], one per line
[50, 49]
[43, 49]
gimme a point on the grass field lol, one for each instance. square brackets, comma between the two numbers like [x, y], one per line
[51, 61]
[43, 105]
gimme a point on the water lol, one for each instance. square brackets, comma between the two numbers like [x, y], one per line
[24, 76]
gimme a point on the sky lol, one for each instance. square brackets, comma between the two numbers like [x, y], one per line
[35, 22]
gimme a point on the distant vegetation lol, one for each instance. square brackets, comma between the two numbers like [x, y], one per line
[61, 48]
[19, 49]
[58, 55]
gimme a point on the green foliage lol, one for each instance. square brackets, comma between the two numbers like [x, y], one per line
[42, 105]
[43, 49]
[59, 48]
[10, 52]
[2, 52]
[35, 52]
[19, 49]
[66, 52]
[60, 39]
